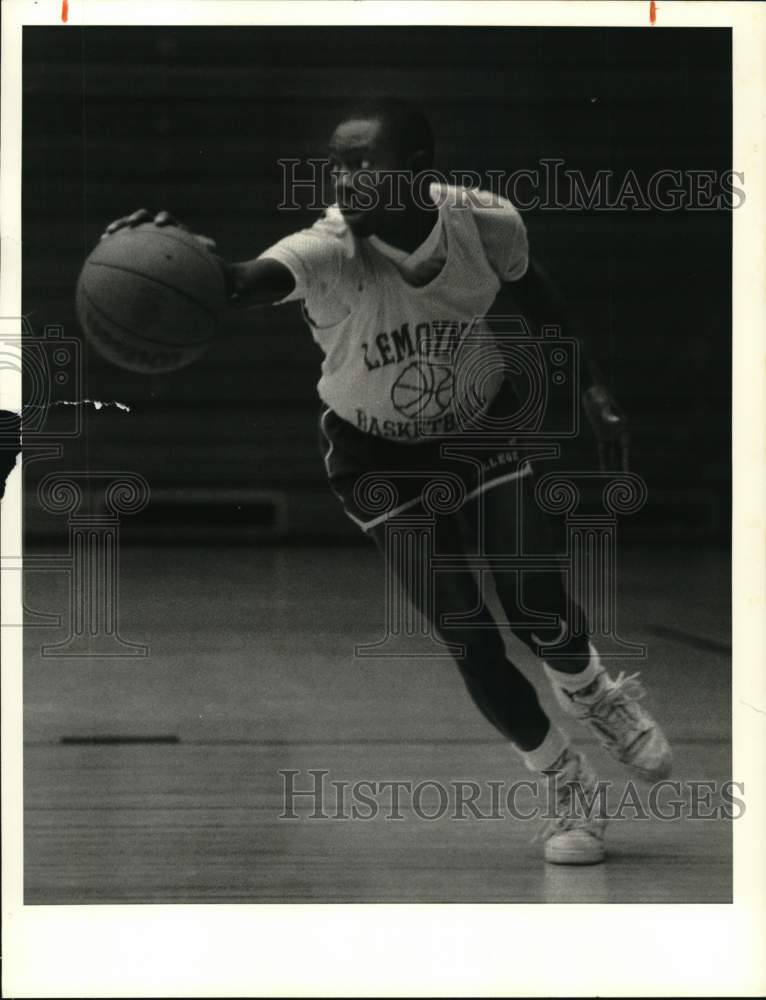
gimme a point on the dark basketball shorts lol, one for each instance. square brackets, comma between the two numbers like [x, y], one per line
[377, 479]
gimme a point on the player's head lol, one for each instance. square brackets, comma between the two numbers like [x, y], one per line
[375, 141]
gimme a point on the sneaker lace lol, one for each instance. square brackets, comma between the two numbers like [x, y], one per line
[556, 824]
[566, 817]
[616, 715]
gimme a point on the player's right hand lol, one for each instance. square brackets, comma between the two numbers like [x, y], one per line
[163, 218]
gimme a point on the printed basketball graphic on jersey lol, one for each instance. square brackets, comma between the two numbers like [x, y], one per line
[423, 390]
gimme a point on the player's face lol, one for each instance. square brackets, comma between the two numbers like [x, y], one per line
[361, 153]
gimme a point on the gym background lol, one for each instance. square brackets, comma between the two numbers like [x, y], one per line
[195, 120]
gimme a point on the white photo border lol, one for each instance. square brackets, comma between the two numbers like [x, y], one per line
[420, 950]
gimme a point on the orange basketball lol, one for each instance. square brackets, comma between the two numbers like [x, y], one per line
[150, 298]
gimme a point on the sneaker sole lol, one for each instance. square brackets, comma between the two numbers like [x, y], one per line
[581, 849]
[564, 857]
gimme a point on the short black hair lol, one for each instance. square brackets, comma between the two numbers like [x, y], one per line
[404, 120]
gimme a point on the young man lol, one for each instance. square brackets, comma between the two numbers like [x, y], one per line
[391, 274]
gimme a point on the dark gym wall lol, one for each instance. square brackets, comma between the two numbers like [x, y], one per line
[195, 119]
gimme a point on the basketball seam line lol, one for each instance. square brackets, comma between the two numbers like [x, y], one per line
[192, 244]
[195, 246]
[157, 281]
[135, 333]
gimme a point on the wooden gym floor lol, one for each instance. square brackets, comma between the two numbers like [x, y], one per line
[251, 670]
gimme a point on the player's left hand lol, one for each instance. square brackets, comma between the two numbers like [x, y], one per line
[610, 427]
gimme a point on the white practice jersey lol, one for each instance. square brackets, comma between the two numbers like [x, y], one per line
[405, 352]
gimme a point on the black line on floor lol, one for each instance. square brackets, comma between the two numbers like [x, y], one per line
[91, 740]
[112, 739]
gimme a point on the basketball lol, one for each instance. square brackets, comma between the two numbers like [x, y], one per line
[149, 298]
[444, 387]
[413, 390]
[423, 390]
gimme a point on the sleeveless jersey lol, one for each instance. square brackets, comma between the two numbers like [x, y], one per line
[402, 361]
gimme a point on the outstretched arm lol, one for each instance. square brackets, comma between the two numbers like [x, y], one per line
[249, 282]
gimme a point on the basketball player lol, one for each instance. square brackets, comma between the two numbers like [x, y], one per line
[379, 282]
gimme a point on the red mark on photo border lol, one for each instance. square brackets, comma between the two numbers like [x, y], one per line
[65, 10]
[652, 11]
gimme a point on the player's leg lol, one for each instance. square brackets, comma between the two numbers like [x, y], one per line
[583, 687]
[574, 835]
[501, 692]
[535, 601]
[499, 689]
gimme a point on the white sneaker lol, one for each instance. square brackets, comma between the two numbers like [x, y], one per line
[623, 727]
[575, 834]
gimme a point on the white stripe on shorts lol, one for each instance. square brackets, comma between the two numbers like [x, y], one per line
[525, 470]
